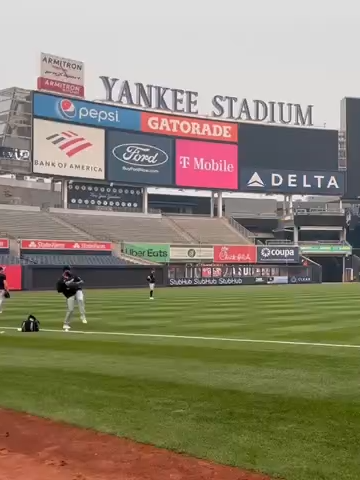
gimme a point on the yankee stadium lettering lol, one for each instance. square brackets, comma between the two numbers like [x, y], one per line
[177, 100]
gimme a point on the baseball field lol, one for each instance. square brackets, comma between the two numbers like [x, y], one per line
[264, 379]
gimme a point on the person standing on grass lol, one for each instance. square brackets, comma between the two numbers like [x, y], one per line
[70, 286]
[3, 287]
[151, 282]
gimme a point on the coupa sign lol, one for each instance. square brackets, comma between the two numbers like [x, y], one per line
[278, 254]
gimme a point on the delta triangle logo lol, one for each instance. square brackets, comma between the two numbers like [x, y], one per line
[255, 181]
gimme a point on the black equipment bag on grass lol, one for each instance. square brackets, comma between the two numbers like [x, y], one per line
[31, 324]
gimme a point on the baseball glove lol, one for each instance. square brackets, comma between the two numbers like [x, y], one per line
[7, 294]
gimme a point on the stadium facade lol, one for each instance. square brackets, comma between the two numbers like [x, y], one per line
[96, 156]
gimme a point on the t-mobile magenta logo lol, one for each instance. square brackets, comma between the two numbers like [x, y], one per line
[184, 161]
[210, 165]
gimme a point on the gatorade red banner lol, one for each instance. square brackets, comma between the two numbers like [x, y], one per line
[13, 276]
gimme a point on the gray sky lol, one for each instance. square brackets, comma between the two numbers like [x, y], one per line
[302, 52]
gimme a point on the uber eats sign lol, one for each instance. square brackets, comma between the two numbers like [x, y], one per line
[154, 252]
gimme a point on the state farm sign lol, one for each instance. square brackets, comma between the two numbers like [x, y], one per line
[65, 245]
[235, 254]
[4, 243]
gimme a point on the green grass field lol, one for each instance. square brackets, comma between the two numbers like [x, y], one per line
[288, 409]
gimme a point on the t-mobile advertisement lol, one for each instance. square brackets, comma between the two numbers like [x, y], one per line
[206, 165]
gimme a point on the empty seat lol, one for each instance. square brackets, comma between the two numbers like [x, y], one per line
[123, 228]
[36, 225]
[91, 260]
[207, 230]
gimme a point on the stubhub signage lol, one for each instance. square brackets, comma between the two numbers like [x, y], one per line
[89, 113]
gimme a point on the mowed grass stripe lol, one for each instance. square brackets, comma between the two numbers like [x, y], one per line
[285, 409]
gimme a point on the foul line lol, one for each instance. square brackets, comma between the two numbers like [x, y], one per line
[188, 337]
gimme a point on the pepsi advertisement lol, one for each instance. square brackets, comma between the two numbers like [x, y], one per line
[86, 113]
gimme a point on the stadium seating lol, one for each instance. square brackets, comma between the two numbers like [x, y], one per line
[118, 228]
[208, 230]
[24, 222]
[12, 260]
[90, 260]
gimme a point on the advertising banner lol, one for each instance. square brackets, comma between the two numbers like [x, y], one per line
[292, 181]
[235, 254]
[96, 196]
[153, 252]
[65, 245]
[4, 243]
[139, 158]
[88, 113]
[61, 75]
[208, 282]
[9, 153]
[206, 165]
[284, 148]
[278, 254]
[13, 276]
[68, 150]
[189, 127]
[326, 249]
[191, 254]
[299, 279]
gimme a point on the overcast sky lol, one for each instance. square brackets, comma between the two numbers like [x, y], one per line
[302, 52]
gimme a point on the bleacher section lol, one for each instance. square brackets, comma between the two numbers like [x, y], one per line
[90, 260]
[31, 223]
[21, 222]
[12, 260]
[208, 230]
[117, 228]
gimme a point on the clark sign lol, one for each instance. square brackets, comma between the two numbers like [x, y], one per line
[177, 100]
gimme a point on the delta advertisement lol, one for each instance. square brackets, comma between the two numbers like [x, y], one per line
[89, 140]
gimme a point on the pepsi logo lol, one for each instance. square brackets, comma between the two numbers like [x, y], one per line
[67, 109]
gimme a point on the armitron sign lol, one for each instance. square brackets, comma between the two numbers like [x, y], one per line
[65, 245]
[222, 106]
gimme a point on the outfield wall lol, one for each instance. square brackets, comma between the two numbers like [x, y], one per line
[44, 277]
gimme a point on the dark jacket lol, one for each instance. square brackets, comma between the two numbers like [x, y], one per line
[69, 284]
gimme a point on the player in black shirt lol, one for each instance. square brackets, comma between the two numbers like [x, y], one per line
[151, 282]
[70, 286]
[3, 287]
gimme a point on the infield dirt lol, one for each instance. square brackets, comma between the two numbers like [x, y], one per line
[32, 448]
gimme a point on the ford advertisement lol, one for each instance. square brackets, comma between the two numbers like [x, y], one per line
[139, 158]
[87, 113]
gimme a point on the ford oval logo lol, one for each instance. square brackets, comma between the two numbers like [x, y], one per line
[138, 154]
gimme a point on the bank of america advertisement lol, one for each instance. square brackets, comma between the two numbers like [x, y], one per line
[68, 150]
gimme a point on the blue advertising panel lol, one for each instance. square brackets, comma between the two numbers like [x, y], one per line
[87, 113]
[139, 158]
[297, 182]
[287, 148]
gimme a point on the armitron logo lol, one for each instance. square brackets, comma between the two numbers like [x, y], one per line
[69, 142]
[66, 109]
[136, 154]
